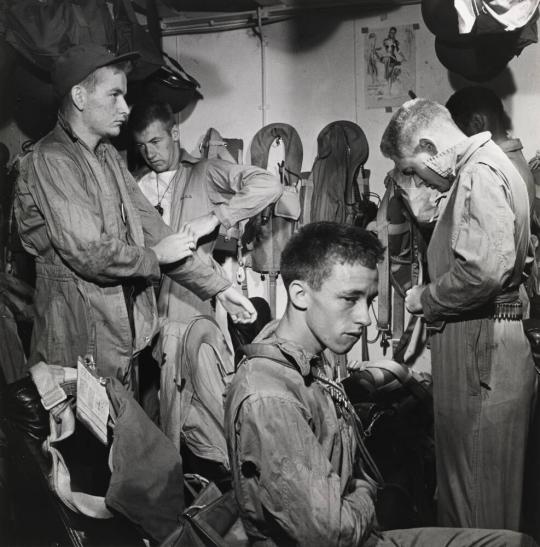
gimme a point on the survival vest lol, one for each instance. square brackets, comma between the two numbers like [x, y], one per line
[266, 235]
[342, 151]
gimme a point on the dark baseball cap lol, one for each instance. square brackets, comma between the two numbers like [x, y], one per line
[77, 62]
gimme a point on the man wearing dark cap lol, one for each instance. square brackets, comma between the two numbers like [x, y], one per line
[97, 241]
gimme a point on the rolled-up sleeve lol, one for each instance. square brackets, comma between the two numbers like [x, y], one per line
[282, 467]
[483, 246]
[203, 279]
[239, 192]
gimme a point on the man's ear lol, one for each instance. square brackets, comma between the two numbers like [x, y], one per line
[78, 96]
[478, 123]
[299, 294]
[175, 133]
[427, 145]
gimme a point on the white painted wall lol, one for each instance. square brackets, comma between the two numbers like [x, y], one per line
[312, 65]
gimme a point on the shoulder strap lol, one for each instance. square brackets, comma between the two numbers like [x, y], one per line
[383, 318]
[266, 351]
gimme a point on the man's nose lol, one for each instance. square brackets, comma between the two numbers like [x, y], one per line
[361, 314]
[123, 107]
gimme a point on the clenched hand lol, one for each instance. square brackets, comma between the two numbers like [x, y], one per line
[413, 301]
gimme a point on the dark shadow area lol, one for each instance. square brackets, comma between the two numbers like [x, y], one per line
[503, 84]
[314, 27]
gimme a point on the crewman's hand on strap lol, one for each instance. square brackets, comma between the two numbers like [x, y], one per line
[413, 301]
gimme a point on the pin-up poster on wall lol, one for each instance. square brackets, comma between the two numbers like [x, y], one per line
[390, 65]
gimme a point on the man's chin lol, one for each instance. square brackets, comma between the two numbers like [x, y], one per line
[342, 348]
[113, 131]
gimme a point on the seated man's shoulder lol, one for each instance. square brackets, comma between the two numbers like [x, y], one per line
[259, 379]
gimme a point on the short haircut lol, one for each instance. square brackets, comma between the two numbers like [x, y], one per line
[312, 252]
[145, 113]
[466, 102]
[411, 117]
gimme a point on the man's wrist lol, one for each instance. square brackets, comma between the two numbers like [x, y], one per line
[221, 291]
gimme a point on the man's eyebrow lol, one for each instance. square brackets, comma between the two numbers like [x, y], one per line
[351, 292]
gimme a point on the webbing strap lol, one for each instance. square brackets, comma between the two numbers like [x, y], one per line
[398, 318]
[384, 305]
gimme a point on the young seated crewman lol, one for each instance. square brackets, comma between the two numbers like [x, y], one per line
[293, 441]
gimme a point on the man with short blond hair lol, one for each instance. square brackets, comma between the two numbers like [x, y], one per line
[483, 374]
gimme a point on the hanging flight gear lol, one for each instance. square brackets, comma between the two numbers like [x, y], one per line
[338, 171]
[403, 266]
[266, 235]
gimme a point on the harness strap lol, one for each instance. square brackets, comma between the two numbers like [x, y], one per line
[268, 351]
[384, 305]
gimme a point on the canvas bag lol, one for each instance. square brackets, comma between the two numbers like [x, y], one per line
[152, 501]
[211, 521]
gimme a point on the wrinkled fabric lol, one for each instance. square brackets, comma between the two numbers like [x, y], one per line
[13, 360]
[483, 373]
[195, 365]
[513, 149]
[147, 483]
[480, 242]
[496, 15]
[295, 468]
[451, 537]
[83, 218]
[292, 456]
[233, 192]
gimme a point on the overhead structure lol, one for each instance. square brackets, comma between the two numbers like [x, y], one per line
[199, 16]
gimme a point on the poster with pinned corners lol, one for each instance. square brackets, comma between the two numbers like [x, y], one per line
[390, 65]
